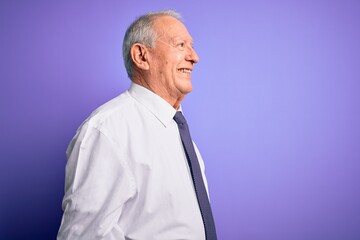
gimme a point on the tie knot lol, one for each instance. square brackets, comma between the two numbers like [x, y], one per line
[179, 118]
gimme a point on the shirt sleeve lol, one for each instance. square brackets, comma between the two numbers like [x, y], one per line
[98, 184]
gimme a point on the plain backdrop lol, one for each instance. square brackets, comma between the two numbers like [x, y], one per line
[274, 109]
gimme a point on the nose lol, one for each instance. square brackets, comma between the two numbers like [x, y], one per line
[192, 55]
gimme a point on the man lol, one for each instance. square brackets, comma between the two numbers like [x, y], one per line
[128, 175]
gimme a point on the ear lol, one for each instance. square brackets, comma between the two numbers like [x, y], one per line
[139, 56]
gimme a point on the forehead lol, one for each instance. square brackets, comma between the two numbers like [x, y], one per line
[170, 27]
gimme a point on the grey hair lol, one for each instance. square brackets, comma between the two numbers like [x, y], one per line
[141, 31]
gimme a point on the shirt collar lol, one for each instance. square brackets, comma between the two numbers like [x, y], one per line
[161, 109]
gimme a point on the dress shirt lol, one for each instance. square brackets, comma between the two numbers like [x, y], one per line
[127, 176]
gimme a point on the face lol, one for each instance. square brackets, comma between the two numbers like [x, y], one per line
[172, 59]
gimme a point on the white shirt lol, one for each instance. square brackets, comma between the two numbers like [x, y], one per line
[127, 175]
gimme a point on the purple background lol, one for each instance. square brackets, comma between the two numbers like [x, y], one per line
[281, 81]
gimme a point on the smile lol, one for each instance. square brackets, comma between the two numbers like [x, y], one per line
[184, 70]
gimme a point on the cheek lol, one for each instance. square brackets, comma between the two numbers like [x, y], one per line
[180, 57]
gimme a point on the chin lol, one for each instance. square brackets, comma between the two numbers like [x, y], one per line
[186, 89]
[183, 86]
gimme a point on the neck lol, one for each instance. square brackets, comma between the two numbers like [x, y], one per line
[174, 101]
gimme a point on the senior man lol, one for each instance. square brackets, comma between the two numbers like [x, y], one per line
[133, 171]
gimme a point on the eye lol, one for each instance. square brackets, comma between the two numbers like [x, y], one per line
[181, 45]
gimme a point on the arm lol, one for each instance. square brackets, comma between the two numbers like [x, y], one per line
[97, 185]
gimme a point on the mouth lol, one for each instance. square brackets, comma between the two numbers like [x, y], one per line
[185, 70]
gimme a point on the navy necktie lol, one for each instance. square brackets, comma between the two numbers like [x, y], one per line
[195, 170]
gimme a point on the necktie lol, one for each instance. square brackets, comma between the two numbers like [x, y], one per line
[201, 194]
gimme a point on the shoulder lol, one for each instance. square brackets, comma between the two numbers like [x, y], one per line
[107, 120]
[112, 112]
[111, 117]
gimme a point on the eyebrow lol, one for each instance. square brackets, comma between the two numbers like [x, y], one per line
[191, 41]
